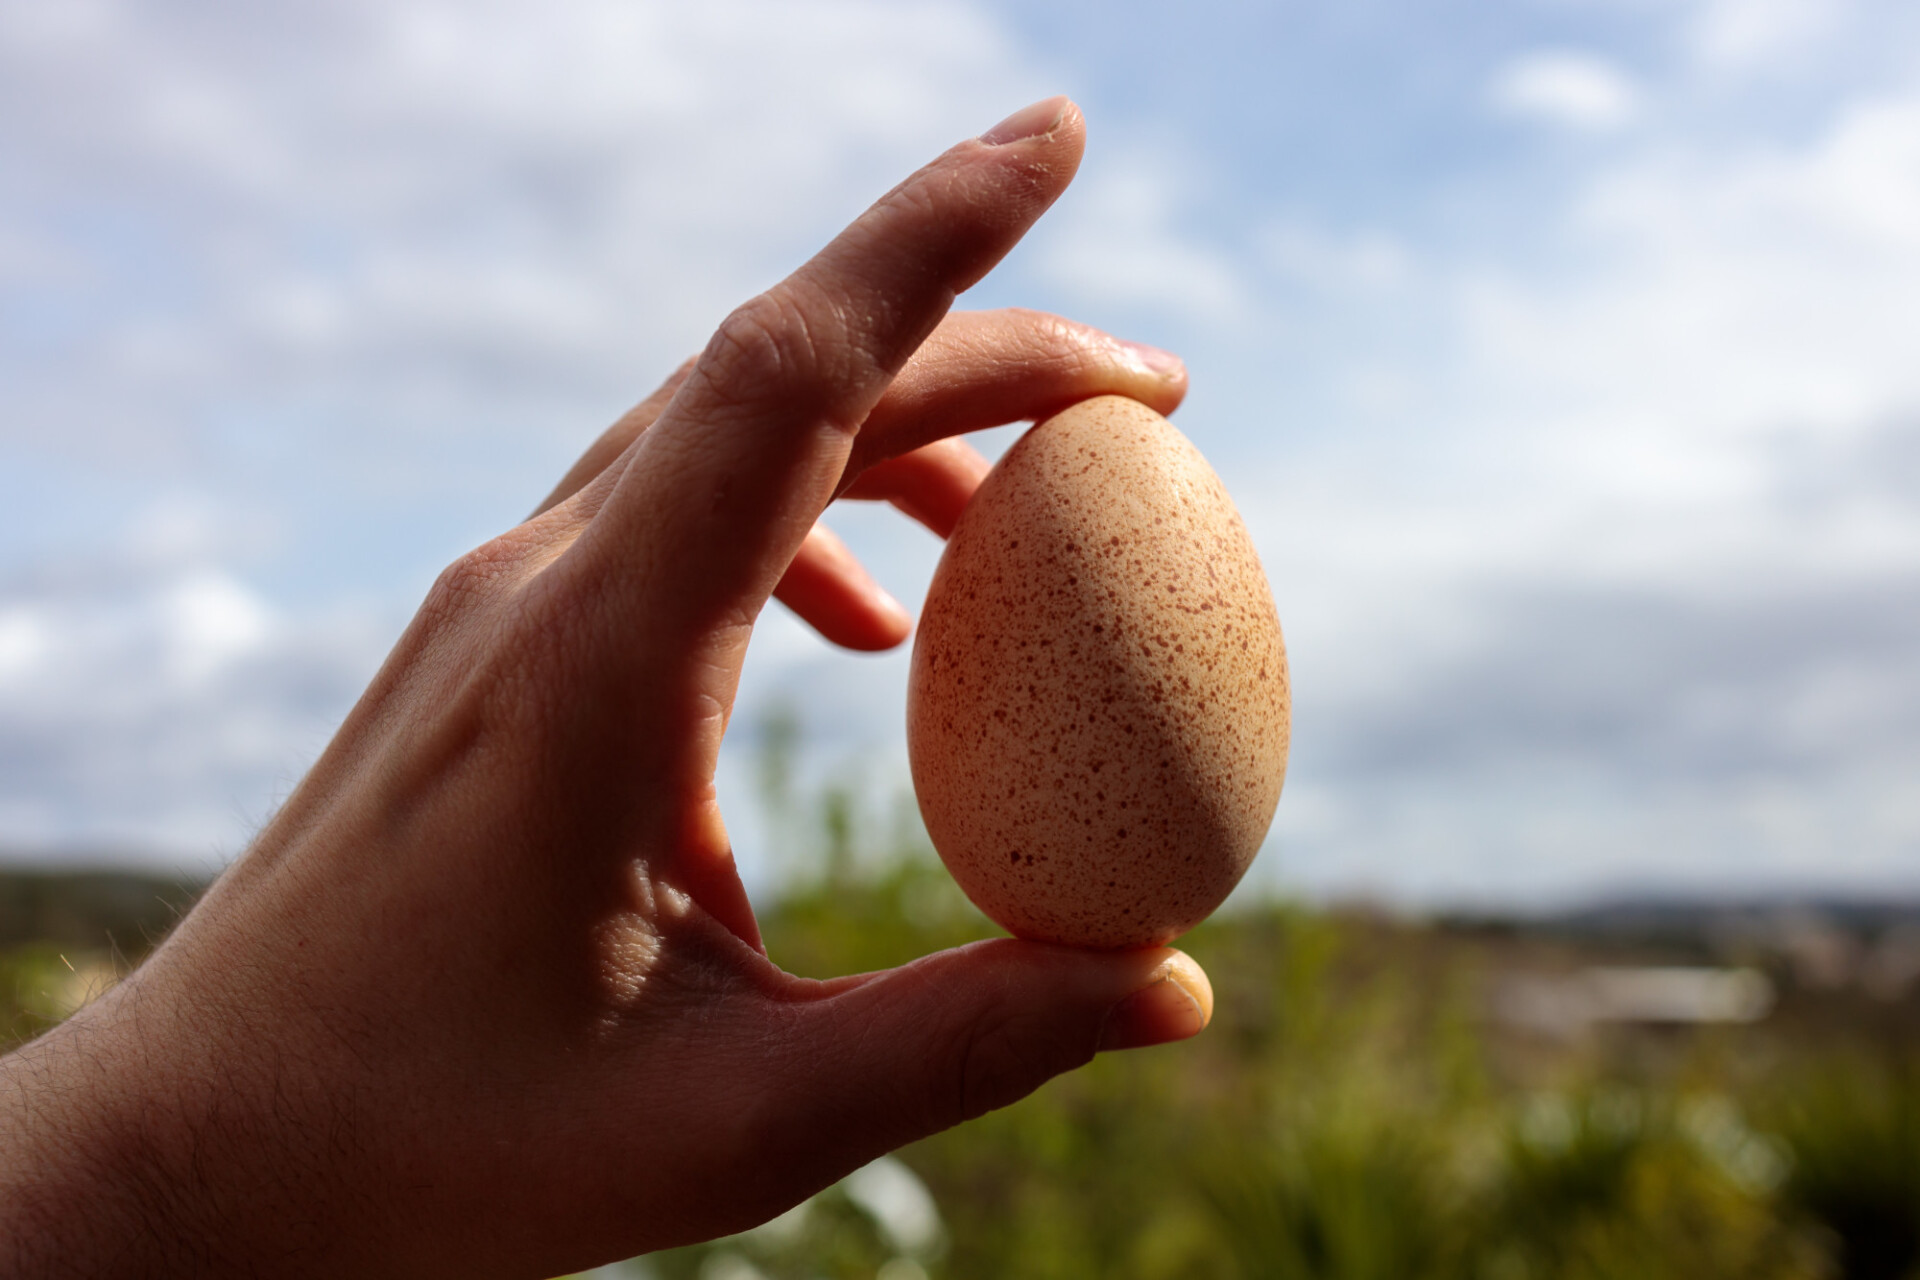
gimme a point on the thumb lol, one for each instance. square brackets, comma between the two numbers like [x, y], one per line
[892, 1057]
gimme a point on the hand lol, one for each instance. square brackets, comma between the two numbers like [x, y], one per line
[487, 996]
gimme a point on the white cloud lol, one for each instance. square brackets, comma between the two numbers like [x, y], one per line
[1729, 298]
[208, 621]
[157, 704]
[384, 200]
[25, 640]
[1566, 87]
[337, 249]
[1631, 603]
[1118, 239]
[1752, 34]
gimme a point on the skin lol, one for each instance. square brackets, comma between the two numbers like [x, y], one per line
[487, 997]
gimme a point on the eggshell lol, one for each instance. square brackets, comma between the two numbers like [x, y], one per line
[1097, 713]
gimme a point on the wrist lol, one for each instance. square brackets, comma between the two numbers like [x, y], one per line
[77, 1168]
[160, 1134]
[115, 1158]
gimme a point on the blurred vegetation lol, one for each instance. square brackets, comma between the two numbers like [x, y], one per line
[66, 936]
[1359, 1109]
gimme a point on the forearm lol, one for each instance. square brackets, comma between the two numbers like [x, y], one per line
[130, 1145]
[80, 1191]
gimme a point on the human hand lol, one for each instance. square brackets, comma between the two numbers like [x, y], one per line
[487, 997]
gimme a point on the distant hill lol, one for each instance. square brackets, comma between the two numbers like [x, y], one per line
[103, 908]
[91, 910]
[1656, 918]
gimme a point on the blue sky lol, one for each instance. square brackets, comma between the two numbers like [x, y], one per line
[1559, 354]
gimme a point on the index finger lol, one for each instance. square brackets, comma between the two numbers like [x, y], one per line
[715, 499]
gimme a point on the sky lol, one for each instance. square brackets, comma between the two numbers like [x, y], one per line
[1560, 355]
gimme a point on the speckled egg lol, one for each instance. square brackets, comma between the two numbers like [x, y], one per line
[1097, 713]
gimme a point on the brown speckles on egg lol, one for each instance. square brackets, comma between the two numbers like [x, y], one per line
[1099, 684]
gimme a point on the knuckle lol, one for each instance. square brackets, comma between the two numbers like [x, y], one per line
[479, 590]
[470, 580]
[764, 351]
[802, 349]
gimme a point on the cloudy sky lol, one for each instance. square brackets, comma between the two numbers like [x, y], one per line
[1563, 356]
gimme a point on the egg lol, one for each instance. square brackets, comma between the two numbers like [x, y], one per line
[1098, 706]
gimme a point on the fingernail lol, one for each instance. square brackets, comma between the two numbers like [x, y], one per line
[1159, 1013]
[1164, 364]
[1027, 122]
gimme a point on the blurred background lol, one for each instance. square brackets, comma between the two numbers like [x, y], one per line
[1560, 354]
